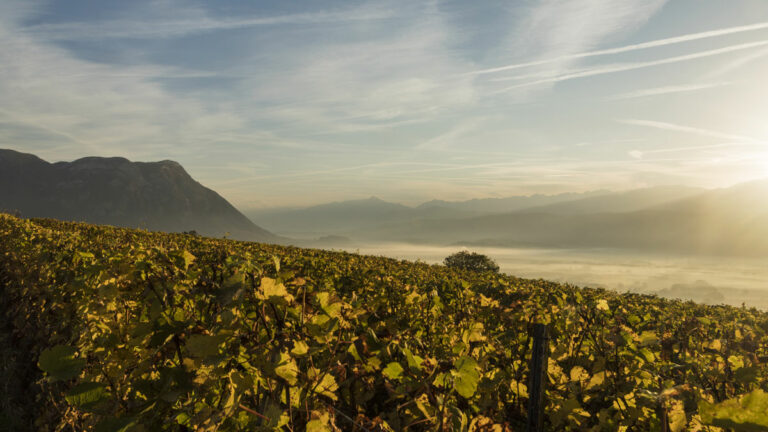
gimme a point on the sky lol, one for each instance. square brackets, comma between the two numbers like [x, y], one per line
[287, 103]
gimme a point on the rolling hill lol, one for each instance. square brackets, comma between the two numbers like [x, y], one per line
[175, 332]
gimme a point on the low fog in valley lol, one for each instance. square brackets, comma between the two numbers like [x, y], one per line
[706, 245]
[711, 280]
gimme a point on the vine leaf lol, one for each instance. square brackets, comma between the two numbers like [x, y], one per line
[300, 348]
[678, 422]
[578, 373]
[274, 292]
[319, 423]
[86, 395]
[747, 413]
[414, 361]
[328, 386]
[188, 259]
[286, 368]
[203, 345]
[466, 376]
[60, 363]
[393, 371]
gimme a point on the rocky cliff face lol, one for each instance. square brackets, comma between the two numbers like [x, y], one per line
[157, 196]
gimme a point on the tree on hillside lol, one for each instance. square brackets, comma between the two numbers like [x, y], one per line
[471, 261]
[15, 213]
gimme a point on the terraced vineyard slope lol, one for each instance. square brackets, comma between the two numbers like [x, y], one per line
[120, 330]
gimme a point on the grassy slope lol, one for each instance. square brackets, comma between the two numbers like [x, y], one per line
[187, 333]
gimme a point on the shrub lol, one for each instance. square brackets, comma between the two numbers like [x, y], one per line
[471, 261]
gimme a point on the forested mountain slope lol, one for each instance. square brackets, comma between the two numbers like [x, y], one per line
[115, 191]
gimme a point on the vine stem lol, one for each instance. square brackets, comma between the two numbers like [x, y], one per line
[250, 411]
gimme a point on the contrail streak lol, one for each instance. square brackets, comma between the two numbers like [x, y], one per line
[628, 48]
[602, 70]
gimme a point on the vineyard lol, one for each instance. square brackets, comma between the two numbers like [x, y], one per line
[111, 329]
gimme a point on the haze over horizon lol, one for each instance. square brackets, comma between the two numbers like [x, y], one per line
[287, 104]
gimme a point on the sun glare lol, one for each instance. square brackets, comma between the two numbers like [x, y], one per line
[764, 165]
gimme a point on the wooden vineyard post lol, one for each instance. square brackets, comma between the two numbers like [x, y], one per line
[537, 379]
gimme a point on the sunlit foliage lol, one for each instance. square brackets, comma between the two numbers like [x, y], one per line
[127, 330]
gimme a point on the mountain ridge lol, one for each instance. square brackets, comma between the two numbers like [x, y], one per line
[511, 203]
[727, 221]
[159, 196]
[730, 221]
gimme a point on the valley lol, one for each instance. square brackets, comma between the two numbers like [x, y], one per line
[710, 280]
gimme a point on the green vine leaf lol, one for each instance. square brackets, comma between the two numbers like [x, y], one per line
[87, 394]
[60, 363]
[274, 292]
[466, 376]
[202, 346]
[287, 369]
[393, 371]
[747, 413]
[327, 386]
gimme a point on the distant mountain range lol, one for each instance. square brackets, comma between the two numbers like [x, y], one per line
[364, 217]
[346, 217]
[730, 221]
[158, 196]
[349, 216]
[162, 196]
[510, 204]
[618, 202]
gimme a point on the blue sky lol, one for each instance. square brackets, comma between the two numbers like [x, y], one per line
[291, 103]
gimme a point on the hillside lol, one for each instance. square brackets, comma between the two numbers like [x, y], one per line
[116, 329]
[157, 196]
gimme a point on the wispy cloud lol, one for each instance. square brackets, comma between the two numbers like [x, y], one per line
[100, 109]
[736, 64]
[379, 81]
[195, 21]
[451, 137]
[665, 90]
[639, 154]
[354, 168]
[555, 32]
[629, 48]
[342, 98]
[623, 67]
[691, 130]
